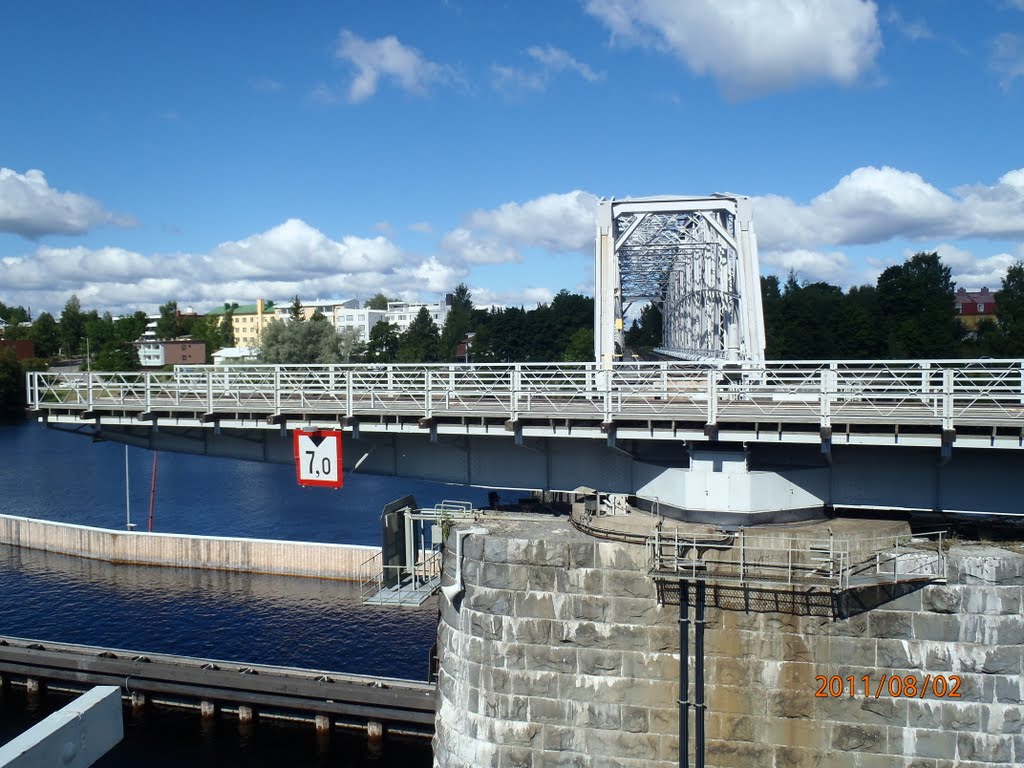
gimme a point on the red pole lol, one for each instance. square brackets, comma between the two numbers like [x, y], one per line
[152, 493]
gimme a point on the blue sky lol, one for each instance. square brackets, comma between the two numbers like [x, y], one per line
[231, 150]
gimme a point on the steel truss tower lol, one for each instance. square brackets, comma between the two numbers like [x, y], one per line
[696, 259]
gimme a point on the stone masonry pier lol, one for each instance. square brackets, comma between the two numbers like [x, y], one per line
[558, 653]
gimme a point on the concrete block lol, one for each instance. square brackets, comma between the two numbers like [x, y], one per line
[938, 598]
[585, 581]
[739, 754]
[889, 624]
[1010, 690]
[484, 625]
[552, 659]
[484, 600]
[985, 748]
[562, 738]
[582, 554]
[613, 554]
[530, 683]
[643, 746]
[529, 631]
[75, 736]
[539, 605]
[636, 719]
[937, 627]
[848, 737]
[542, 579]
[936, 744]
[617, 583]
[515, 757]
[593, 661]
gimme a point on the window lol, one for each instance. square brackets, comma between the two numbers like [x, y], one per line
[981, 309]
[959, 308]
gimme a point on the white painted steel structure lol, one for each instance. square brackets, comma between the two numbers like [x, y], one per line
[924, 403]
[696, 259]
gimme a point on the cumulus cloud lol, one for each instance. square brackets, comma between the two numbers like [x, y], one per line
[752, 47]
[1007, 59]
[291, 258]
[872, 205]
[813, 266]
[386, 58]
[970, 271]
[30, 207]
[556, 223]
[526, 297]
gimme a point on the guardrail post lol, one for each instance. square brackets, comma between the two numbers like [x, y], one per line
[209, 391]
[712, 397]
[947, 399]
[517, 383]
[88, 384]
[428, 400]
[828, 386]
[350, 395]
[277, 390]
[606, 386]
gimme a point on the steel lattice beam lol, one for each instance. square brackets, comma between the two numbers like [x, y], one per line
[696, 258]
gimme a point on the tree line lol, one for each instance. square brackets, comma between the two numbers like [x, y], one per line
[559, 331]
[910, 313]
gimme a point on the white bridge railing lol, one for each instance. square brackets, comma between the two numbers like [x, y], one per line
[943, 393]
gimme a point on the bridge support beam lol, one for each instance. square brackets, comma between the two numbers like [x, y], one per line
[74, 737]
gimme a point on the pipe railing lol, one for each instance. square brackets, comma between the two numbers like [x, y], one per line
[941, 393]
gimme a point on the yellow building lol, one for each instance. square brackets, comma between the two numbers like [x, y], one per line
[248, 321]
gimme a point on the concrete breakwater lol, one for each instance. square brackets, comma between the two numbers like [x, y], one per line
[558, 653]
[269, 556]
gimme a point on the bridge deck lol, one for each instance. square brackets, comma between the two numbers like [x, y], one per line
[354, 698]
[978, 403]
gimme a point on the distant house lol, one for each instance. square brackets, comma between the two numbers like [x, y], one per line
[972, 307]
[236, 355]
[156, 353]
[248, 321]
[23, 348]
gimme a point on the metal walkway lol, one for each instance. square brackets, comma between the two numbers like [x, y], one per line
[405, 704]
[927, 402]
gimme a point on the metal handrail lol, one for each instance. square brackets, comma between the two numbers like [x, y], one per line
[940, 393]
[755, 559]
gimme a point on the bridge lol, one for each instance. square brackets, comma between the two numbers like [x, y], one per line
[713, 433]
[764, 440]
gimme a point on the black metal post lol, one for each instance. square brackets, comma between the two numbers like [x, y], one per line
[684, 673]
[698, 652]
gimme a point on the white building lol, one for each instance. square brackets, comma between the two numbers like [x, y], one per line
[151, 351]
[347, 313]
[235, 355]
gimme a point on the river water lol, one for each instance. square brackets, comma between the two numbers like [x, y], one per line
[51, 475]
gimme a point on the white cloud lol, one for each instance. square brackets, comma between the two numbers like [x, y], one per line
[753, 47]
[970, 271]
[557, 60]
[324, 95]
[423, 227]
[526, 297]
[291, 258]
[550, 60]
[386, 58]
[476, 249]
[556, 223]
[812, 266]
[916, 29]
[30, 207]
[1008, 58]
[872, 205]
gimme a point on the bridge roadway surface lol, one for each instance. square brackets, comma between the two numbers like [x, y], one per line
[929, 403]
[406, 705]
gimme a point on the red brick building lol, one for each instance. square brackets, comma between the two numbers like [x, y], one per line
[974, 306]
[23, 348]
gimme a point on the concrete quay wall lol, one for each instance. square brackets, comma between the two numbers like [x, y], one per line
[286, 558]
[558, 654]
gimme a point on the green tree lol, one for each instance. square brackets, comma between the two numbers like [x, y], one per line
[12, 387]
[581, 347]
[382, 346]
[117, 356]
[295, 311]
[13, 315]
[207, 329]
[130, 328]
[458, 321]
[315, 342]
[377, 301]
[421, 342]
[645, 333]
[227, 325]
[167, 324]
[72, 326]
[1010, 311]
[45, 334]
[915, 302]
[99, 331]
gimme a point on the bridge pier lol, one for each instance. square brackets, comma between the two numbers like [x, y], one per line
[374, 731]
[35, 687]
[208, 710]
[138, 701]
[246, 714]
[323, 724]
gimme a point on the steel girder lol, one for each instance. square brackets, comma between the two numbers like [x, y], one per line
[696, 258]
